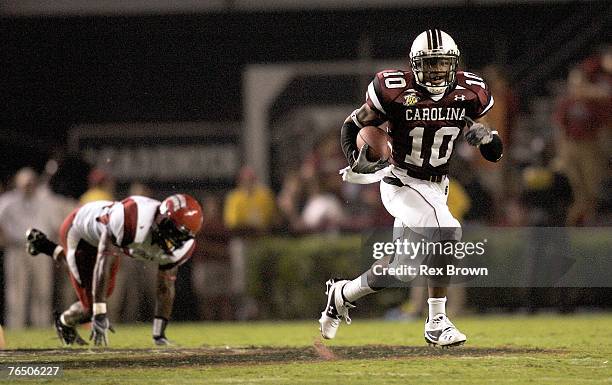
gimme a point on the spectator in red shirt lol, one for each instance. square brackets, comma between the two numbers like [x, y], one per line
[582, 119]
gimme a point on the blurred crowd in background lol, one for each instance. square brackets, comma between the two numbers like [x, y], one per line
[554, 174]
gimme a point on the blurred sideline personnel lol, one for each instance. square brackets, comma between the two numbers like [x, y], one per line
[426, 109]
[94, 236]
[27, 283]
[249, 212]
[583, 116]
[101, 187]
[211, 267]
[251, 206]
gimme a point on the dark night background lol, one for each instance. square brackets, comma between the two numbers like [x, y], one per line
[59, 71]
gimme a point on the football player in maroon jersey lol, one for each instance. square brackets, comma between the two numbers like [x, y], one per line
[425, 108]
[95, 236]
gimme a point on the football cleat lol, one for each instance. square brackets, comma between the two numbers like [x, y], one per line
[440, 331]
[68, 335]
[336, 309]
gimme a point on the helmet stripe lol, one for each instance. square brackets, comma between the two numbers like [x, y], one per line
[182, 200]
[429, 38]
[439, 38]
[434, 38]
[435, 41]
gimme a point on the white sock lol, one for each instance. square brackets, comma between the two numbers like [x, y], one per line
[436, 306]
[357, 288]
[63, 321]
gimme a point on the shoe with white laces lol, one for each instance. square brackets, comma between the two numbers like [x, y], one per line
[440, 331]
[336, 309]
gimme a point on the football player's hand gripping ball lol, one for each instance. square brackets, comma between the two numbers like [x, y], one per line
[477, 133]
[362, 165]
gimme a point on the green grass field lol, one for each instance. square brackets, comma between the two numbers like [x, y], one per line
[537, 350]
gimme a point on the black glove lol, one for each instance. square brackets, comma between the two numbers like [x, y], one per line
[477, 133]
[362, 165]
[100, 325]
[159, 331]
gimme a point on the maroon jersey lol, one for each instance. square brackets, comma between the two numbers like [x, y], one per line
[423, 130]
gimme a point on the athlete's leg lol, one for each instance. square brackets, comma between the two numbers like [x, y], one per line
[421, 206]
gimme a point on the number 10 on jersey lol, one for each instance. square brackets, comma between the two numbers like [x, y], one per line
[416, 154]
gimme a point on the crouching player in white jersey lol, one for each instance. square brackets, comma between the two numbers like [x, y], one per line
[425, 109]
[94, 237]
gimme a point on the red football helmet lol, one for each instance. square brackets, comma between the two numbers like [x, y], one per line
[180, 220]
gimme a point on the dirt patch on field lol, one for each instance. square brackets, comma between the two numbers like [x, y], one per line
[132, 358]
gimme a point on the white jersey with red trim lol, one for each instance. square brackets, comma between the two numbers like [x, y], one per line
[129, 223]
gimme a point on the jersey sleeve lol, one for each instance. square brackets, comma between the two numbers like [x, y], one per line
[183, 254]
[375, 98]
[484, 103]
[483, 100]
[121, 221]
[384, 89]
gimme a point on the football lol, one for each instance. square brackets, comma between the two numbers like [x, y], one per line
[378, 141]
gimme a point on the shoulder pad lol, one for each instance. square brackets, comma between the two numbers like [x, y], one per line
[387, 86]
[474, 83]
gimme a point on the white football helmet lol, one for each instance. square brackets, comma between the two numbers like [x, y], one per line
[434, 57]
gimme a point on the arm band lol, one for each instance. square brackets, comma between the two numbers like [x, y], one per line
[494, 150]
[348, 140]
[99, 308]
[57, 251]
